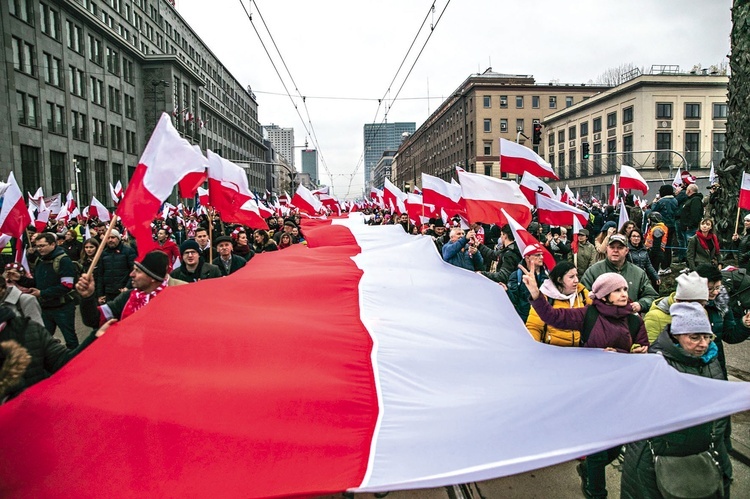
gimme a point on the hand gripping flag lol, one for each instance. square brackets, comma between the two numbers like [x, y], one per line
[515, 158]
[363, 388]
[487, 199]
[167, 159]
[14, 217]
[630, 179]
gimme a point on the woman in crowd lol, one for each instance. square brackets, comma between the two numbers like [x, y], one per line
[71, 245]
[638, 255]
[611, 325]
[262, 242]
[533, 264]
[704, 247]
[87, 254]
[602, 240]
[627, 228]
[241, 246]
[562, 290]
[285, 241]
[687, 344]
[297, 236]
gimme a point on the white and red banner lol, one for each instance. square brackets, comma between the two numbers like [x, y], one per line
[744, 192]
[613, 191]
[624, 215]
[98, 210]
[14, 217]
[116, 192]
[630, 179]
[484, 199]
[577, 227]
[531, 185]
[228, 193]
[515, 158]
[394, 198]
[166, 160]
[384, 394]
[528, 244]
[305, 201]
[553, 212]
[441, 195]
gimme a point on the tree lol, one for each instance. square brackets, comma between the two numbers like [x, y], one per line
[615, 76]
[737, 155]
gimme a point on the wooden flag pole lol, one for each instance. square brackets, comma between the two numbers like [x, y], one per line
[737, 222]
[99, 250]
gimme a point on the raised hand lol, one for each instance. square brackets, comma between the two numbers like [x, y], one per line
[529, 279]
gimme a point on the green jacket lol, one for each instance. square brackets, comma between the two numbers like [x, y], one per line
[586, 257]
[639, 287]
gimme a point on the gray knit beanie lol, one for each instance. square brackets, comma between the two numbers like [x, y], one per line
[606, 283]
[691, 287]
[689, 318]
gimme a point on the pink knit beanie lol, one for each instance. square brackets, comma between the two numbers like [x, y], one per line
[606, 283]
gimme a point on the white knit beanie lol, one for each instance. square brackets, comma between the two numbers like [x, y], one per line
[691, 287]
[689, 318]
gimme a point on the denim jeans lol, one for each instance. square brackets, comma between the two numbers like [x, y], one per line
[65, 318]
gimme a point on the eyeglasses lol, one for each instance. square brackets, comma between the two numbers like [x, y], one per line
[696, 338]
[189, 252]
[37, 246]
[715, 289]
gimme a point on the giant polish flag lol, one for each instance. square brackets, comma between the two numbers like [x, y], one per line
[306, 201]
[515, 158]
[442, 195]
[166, 160]
[228, 193]
[364, 388]
[630, 179]
[484, 199]
[14, 217]
[531, 185]
[553, 212]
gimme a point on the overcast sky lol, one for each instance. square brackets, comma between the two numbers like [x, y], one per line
[343, 55]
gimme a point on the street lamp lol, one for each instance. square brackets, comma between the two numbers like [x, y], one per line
[155, 84]
[78, 190]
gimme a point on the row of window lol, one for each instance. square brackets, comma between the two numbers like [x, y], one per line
[692, 110]
[28, 115]
[520, 125]
[60, 172]
[520, 99]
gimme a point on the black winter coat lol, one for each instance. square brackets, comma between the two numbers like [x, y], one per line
[113, 270]
[48, 355]
[692, 211]
[638, 475]
[52, 292]
[203, 271]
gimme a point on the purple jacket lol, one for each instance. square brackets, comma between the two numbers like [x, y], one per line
[610, 329]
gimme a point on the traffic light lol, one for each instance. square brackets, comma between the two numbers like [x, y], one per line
[585, 152]
[537, 137]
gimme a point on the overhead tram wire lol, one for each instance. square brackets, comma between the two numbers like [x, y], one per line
[380, 101]
[432, 30]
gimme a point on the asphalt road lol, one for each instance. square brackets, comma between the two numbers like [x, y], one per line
[561, 481]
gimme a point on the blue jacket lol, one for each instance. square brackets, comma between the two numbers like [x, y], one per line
[457, 254]
[667, 206]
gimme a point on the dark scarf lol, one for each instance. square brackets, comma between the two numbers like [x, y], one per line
[242, 251]
[709, 243]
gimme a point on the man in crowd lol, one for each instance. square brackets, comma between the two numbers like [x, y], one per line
[289, 226]
[227, 262]
[113, 271]
[667, 207]
[193, 267]
[586, 252]
[508, 258]
[461, 250]
[640, 290]
[204, 243]
[692, 211]
[149, 277]
[23, 304]
[167, 245]
[55, 275]
[437, 231]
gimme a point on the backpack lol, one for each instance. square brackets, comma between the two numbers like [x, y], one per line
[592, 314]
[72, 294]
[737, 284]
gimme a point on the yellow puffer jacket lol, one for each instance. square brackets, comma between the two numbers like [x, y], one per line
[552, 335]
[657, 317]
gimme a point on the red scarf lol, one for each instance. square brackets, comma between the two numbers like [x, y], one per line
[703, 240]
[138, 299]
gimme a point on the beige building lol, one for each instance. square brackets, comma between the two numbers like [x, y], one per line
[656, 123]
[465, 129]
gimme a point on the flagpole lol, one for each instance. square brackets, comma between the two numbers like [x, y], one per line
[737, 222]
[100, 249]
[211, 236]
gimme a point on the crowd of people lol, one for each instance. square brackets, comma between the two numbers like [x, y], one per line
[605, 295]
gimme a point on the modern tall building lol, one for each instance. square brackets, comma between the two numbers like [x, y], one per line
[657, 123]
[310, 165]
[381, 137]
[89, 80]
[282, 140]
[465, 130]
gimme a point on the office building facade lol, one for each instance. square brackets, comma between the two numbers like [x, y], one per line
[381, 137]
